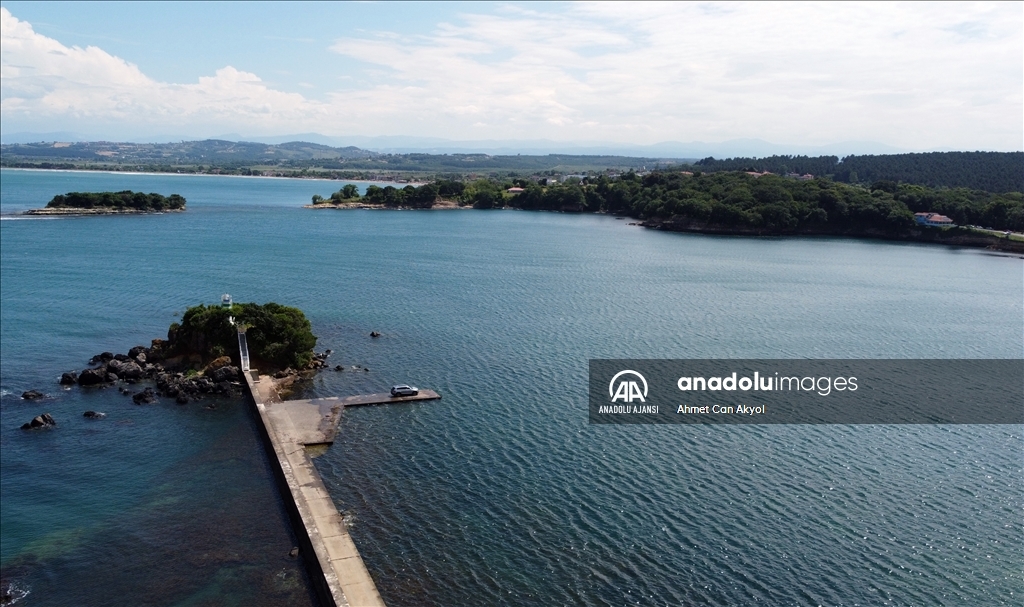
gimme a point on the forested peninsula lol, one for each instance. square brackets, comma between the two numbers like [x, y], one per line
[110, 203]
[732, 202]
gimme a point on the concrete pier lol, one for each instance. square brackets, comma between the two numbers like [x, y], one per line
[336, 569]
[288, 427]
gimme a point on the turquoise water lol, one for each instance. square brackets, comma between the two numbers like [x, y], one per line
[500, 493]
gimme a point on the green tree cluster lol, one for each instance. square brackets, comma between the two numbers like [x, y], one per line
[347, 193]
[117, 200]
[278, 336]
[768, 204]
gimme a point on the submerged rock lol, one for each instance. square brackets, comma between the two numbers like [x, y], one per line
[94, 414]
[40, 421]
[145, 397]
[32, 395]
[374, 334]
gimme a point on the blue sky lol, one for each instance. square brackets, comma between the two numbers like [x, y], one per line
[913, 76]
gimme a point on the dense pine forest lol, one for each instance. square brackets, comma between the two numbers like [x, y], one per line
[989, 171]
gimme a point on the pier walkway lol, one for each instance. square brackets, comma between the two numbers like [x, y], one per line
[288, 428]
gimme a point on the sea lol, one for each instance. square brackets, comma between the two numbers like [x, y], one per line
[502, 492]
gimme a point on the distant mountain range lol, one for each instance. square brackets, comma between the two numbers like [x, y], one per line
[429, 145]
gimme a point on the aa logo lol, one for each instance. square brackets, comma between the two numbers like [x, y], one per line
[627, 389]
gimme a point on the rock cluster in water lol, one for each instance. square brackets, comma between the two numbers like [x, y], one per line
[142, 363]
[40, 421]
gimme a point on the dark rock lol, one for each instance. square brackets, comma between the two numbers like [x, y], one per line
[40, 421]
[132, 370]
[158, 351]
[94, 415]
[92, 377]
[125, 369]
[374, 334]
[111, 378]
[339, 368]
[328, 352]
[366, 370]
[181, 399]
[134, 352]
[294, 552]
[122, 357]
[101, 358]
[226, 373]
[145, 397]
[32, 395]
[68, 379]
[116, 367]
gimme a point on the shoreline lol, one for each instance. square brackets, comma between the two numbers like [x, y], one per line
[80, 212]
[972, 239]
[446, 205]
[168, 173]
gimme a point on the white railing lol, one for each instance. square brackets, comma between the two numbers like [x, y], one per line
[243, 351]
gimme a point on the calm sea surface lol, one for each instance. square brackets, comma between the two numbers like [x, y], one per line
[501, 493]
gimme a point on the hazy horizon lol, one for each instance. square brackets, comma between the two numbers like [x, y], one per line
[515, 77]
[407, 144]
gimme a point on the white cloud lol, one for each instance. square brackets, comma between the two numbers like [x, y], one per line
[44, 80]
[911, 75]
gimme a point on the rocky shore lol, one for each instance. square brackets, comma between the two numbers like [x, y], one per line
[172, 376]
[63, 212]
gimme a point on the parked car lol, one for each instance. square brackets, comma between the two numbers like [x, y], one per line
[404, 390]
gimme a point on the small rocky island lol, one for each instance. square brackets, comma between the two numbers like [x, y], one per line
[110, 203]
[200, 355]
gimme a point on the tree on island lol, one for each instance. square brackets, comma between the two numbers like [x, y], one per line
[278, 336]
[345, 194]
[126, 199]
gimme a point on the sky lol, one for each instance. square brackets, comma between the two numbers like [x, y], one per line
[912, 76]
